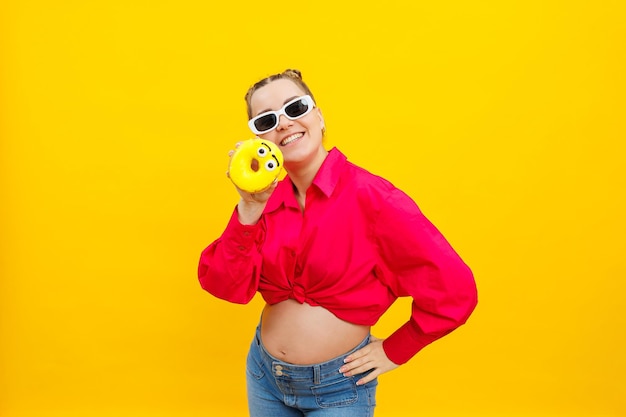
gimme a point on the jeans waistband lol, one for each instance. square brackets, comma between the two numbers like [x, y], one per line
[315, 372]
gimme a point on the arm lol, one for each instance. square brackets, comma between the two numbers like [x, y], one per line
[416, 261]
[420, 263]
[230, 267]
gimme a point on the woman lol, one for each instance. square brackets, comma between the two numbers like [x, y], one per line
[329, 248]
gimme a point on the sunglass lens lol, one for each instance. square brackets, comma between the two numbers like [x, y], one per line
[297, 108]
[265, 123]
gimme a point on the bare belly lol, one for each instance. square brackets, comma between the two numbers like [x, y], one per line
[303, 335]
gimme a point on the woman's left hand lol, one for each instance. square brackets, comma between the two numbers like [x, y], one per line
[369, 357]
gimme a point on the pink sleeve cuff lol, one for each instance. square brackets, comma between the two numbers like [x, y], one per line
[241, 236]
[405, 342]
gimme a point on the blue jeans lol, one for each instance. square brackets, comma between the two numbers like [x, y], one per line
[276, 388]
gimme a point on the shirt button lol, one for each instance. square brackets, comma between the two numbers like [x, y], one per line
[241, 248]
[246, 233]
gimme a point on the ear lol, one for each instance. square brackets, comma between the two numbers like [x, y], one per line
[323, 125]
[320, 115]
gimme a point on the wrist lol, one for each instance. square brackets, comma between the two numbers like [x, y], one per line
[249, 212]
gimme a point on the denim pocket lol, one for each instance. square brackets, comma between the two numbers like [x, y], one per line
[335, 394]
[254, 363]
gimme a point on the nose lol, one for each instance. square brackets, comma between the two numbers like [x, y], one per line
[283, 122]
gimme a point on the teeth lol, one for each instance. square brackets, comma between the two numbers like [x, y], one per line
[291, 138]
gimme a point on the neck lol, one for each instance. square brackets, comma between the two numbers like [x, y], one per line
[303, 173]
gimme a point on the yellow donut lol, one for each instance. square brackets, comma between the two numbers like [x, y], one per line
[254, 177]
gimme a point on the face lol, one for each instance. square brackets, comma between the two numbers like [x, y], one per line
[299, 140]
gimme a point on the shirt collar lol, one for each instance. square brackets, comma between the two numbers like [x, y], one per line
[330, 171]
[326, 180]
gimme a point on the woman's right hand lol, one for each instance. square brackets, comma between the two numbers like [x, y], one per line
[251, 205]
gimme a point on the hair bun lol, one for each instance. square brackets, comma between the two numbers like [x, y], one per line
[293, 73]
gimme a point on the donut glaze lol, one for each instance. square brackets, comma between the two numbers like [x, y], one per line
[269, 164]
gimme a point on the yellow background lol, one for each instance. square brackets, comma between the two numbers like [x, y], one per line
[505, 120]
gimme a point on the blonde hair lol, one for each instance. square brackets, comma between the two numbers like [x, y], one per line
[290, 74]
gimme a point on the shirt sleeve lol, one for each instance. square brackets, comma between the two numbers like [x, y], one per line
[420, 263]
[230, 267]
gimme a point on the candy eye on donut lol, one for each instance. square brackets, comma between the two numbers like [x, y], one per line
[262, 152]
[271, 165]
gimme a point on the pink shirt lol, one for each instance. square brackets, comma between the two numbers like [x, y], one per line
[358, 245]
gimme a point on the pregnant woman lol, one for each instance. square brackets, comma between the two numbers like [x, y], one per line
[330, 248]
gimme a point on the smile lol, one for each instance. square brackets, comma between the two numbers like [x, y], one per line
[291, 138]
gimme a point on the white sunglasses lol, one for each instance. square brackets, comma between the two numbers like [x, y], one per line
[295, 109]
